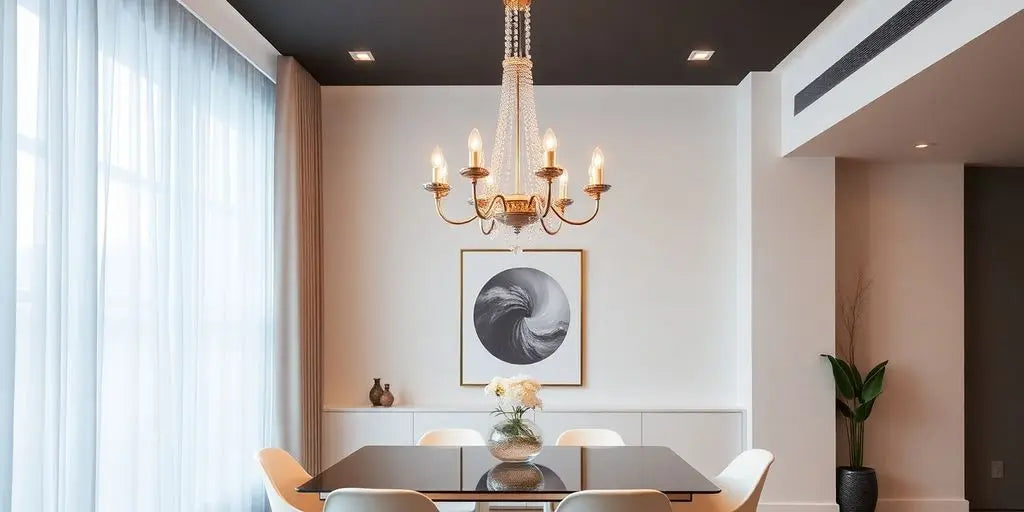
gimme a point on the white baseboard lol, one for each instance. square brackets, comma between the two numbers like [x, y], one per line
[798, 507]
[922, 505]
[884, 505]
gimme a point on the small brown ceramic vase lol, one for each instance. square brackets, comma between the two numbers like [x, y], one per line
[387, 399]
[376, 392]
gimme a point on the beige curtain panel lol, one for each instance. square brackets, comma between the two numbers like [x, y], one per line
[298, 384]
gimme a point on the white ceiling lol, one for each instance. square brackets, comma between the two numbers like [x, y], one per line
[970, 104]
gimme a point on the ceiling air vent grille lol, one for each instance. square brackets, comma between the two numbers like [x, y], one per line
[908, 18]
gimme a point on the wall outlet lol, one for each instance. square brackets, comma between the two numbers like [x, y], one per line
[997, 469]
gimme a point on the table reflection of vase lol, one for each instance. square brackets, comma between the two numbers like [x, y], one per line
[515, 476]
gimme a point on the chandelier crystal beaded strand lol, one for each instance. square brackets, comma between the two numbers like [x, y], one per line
[505, 196]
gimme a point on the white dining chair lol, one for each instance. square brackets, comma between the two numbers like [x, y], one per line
[282, 474]
[590, 437]
[616, 501]
[741, 485]
[587, 437]
[377, 500]
[451, 437]
[455, 437]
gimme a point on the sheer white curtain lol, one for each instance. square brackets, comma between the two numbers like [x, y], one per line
[8, 236]
[140, 298]
[56, 346]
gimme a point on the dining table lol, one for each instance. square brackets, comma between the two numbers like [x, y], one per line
[471, 473]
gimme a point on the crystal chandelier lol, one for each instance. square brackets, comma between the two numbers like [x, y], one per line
[502, 194]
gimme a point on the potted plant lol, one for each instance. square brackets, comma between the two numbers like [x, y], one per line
[856, 393]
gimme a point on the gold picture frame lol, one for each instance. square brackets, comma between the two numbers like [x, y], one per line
[582, 314]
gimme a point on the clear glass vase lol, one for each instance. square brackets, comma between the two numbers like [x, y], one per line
[515, 440]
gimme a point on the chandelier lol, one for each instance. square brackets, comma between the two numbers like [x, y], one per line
[503, 194]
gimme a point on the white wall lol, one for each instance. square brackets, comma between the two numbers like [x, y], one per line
[903, 224]
[786, 262]
[661, 257]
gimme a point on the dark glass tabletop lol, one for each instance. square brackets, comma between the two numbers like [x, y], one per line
[472, 474]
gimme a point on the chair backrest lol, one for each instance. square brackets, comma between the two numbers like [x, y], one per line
[616, 501]
[378, 500]
[451, 437]
[282, 474]
[590, 437]
[742, 482]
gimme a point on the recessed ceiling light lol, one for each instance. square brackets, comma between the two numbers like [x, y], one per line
[924, 145]
[361, 56]
[701, 55]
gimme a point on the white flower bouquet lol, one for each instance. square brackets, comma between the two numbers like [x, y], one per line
[515, 395]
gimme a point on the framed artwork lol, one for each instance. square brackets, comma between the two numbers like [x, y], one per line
[522, 314]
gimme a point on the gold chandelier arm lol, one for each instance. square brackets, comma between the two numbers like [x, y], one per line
[597, 208]
[440, 212]
[549, 230]
[547, 206]
[488, 230]
[483, 214]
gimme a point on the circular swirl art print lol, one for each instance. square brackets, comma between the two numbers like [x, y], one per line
[521, 316]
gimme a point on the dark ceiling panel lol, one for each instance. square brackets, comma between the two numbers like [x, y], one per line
[575, 42]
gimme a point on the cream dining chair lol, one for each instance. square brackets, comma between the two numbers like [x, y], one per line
[590, 437]
[616, 501]
[377, 500]
[451, 437]
[455, 437]
[741, 485]
[282, 474]
[587, 437]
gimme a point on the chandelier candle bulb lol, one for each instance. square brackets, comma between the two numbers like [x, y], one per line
[550, 145]
[476, 149]
[436, 162]
[597, 164]
[563, 186]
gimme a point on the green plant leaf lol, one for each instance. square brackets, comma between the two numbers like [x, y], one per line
[843, 408]
[881, 366]
[858, 384]
[873, 384]
[849, 374]
[841, 372]
[863, 411]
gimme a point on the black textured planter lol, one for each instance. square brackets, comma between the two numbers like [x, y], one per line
[856, 489]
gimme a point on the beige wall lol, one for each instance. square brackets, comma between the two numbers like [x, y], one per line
[903, 224]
